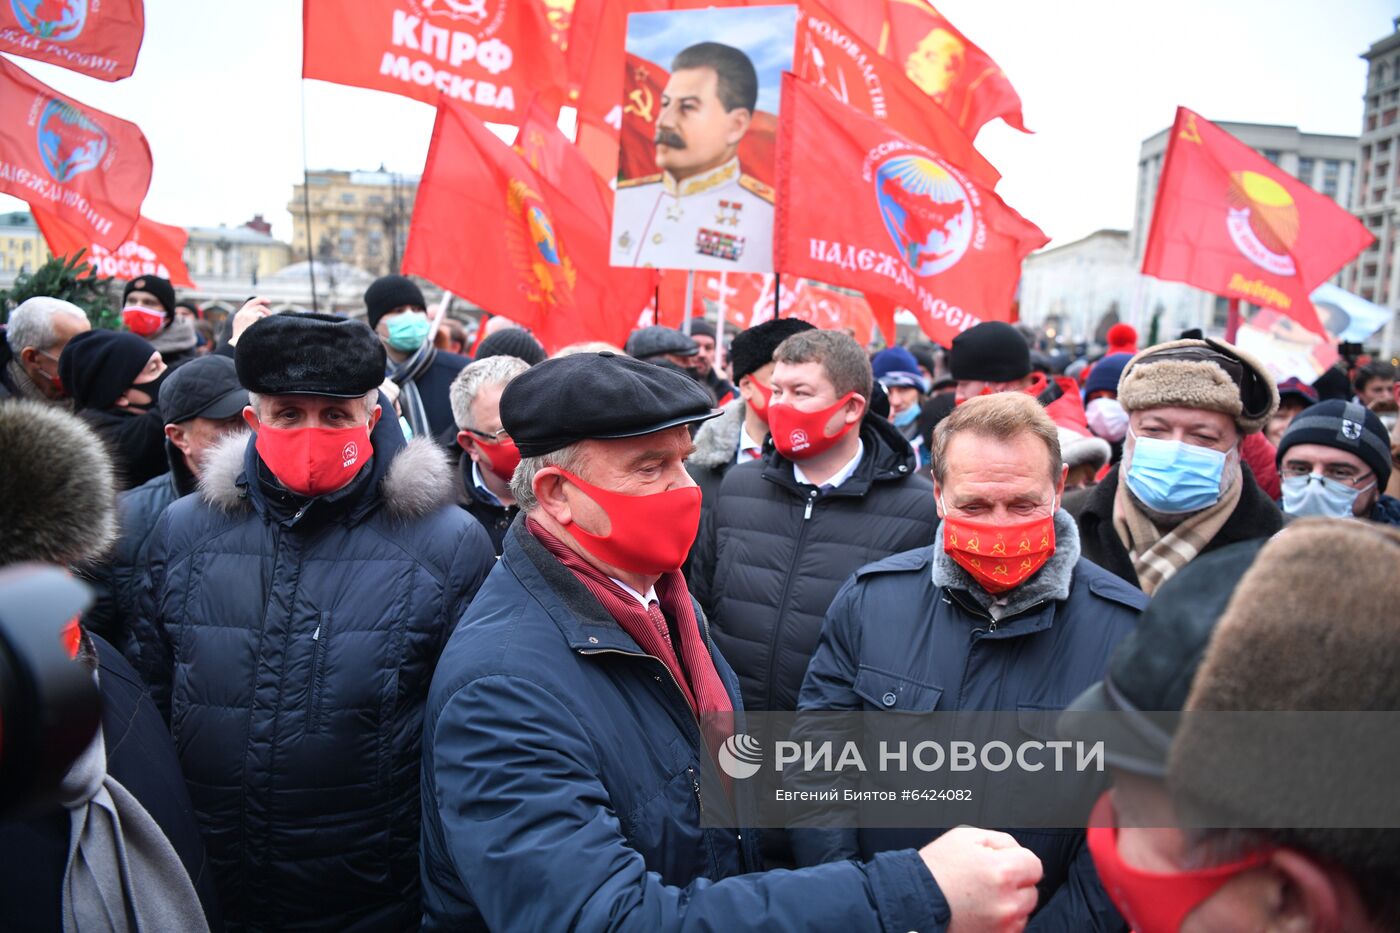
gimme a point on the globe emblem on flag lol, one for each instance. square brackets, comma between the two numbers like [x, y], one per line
[69, 143]
[55, 20]
[926, 211]
[1263, 221]
[542, 233]
[546, 273]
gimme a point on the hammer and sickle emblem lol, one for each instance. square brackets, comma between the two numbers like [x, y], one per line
[1025, 546]
[999, 570]
[999, 549]
[973, 545]
[642, 103]
[1189, 131]
[1027, 564]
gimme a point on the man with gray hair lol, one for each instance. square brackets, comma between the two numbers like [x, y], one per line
[489, 456]
[291, 618]
[35, 336]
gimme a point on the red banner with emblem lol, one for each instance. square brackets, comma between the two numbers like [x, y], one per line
[86, 167]
[833, 56]
[914, 227]
[750, 298]
[98, 38]
[489, 55]
[150, 249]
[490, 228]
[1229, 221]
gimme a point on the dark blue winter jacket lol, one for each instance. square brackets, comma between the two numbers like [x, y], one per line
[564, 779]
[914, 633]
[290, 642]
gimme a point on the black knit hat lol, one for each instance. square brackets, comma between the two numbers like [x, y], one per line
[699, 327]
[309, 354]
[993, 351]
[512, 341]
[753, 348]
[389, 292]
[155, 285]
[626, 398]
[97, 366]
[1347, 426]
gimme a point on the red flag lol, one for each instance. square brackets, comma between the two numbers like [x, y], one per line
[490, 228]
[747, 297]
[641, 105]
[914, 227]
[87, 167]
[833, 56]
[1229, 221]
[150, 249]
[490, 55]
[829, 309]
[100, 39]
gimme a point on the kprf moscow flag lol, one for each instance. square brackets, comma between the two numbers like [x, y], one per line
[1229, 221]
[150, 249]
[913, 226]
[88, 168]
[99, 38]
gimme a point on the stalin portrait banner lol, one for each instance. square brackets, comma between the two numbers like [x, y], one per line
[699, 134]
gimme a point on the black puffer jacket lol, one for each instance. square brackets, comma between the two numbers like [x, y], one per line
[291, 642]
[136, 442]
[772, 553]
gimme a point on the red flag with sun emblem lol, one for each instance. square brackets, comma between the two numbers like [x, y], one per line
[914, 226]
[490, 228]
[98, 38]
[150, 249]
[491, 55]
[86, 167]
[1229, 221]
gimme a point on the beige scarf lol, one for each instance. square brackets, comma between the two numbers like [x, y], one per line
[1156, 554]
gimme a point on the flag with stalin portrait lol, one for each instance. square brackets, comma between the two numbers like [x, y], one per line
[1229, 221]
[98, 38]
[88, 168]
[914, 226]
[490, 55]
[490, 228]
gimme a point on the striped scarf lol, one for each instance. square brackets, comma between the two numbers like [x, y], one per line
[694, 671]
[1158, 554]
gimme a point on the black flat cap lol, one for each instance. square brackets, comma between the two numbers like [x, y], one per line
[1151, 670]
[597, 396]
[206, 387]
[309, 354]
[657, 340]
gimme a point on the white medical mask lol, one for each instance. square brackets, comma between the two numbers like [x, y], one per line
[1107, 419]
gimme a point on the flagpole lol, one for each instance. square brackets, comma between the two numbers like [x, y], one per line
[306, 204]
[689, 297]
[656, 306]
[719, 324]
[1232, 321]
[777, 295]
[438, 315]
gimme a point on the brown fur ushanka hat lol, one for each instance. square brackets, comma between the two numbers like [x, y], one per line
[1205, 374]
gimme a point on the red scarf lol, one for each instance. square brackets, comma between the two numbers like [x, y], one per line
[694, 671]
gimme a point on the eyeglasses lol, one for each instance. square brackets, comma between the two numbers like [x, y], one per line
[1337, 473]
[494, 438]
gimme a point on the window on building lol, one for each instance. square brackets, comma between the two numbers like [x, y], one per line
[1305, 170]
[1382, 146]
[347, 218]
[1271, 154]
[375, 200]
[347, 198]
[1388, 116]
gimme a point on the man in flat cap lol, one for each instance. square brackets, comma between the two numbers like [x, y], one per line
[569, 777]
[1182, 487]
[201, 402]
[291, 617]
[655, 343]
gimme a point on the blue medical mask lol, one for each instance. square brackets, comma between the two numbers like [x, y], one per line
[407, 331]
[1173, 476]
[906, 417]
[1316, 495]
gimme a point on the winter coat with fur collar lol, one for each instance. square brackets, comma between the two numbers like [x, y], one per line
[290, 644]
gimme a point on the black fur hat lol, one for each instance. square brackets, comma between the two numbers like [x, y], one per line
[309, 354]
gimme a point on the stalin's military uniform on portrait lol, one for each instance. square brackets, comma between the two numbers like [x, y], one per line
[721, 220]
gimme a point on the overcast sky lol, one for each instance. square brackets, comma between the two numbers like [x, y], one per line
[218, 93]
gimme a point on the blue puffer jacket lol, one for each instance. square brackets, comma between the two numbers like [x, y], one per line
[910, 634]
[564, 777]
[290, 642]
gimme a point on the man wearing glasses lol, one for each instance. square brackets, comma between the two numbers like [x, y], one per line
[1334, 460]
[489, 456]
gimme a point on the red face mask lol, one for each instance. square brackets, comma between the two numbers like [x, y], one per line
[314, 461]
[502, 453]
[765, 393]
[650, 534]
[799, 435]
[142, 322]
[1154, 902]
[999, 557]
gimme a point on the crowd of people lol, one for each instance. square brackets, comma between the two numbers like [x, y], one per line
[396, 632]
